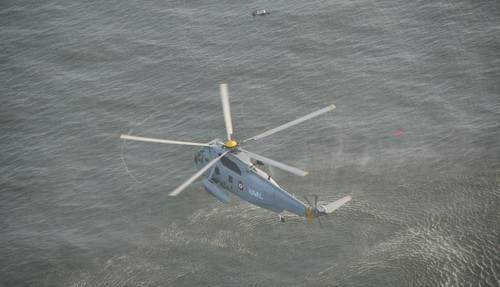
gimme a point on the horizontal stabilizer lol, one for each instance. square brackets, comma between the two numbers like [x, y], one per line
[329, 208]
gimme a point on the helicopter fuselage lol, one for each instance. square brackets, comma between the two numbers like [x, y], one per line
[237, 174]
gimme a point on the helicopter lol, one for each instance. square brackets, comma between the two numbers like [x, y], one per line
[227, 167]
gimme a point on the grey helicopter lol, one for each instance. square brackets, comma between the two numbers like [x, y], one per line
[226, 166]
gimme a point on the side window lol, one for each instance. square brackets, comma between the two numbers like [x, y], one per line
[231, 165]
[198, 158]
[216, 170]
[230, 179]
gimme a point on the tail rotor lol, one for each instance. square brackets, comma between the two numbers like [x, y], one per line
[314, 211]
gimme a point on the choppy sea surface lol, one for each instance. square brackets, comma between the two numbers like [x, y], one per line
[80, 207]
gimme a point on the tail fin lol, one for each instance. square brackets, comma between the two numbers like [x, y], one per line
[329, 208]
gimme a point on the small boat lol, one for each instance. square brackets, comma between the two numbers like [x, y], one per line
[260, 12]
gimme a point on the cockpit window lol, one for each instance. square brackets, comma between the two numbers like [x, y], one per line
[230, 164]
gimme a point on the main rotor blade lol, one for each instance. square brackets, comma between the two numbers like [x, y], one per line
[227, 111]
[143, 139]
[292, 123]
[277, 164]
[195, 176]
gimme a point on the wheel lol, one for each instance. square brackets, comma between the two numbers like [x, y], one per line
[282, 218]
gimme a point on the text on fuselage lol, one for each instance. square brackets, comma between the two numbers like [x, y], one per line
[255, 193]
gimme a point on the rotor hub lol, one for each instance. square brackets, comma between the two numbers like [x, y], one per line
[231, 144]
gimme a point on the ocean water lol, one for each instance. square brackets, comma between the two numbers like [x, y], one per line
[80, 207]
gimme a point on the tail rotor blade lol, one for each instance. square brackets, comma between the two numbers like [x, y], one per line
[307, 200]
[152, 140]
[315, 208]
[226, 109]
[320, 224]
[195, 176]
[292, 123]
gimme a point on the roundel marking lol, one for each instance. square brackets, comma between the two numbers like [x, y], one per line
[240, 185]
